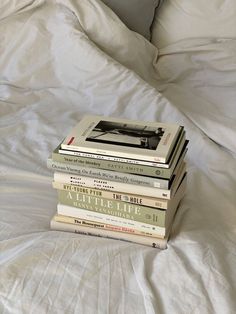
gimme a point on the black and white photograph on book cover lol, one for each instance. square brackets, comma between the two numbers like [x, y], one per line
[126, 134]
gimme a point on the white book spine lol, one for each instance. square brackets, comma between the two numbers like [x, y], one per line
[122, 155]
[112, 220]
[124, 197]
[113, 158]
[111, 185]
[148, 241]
[108, 175]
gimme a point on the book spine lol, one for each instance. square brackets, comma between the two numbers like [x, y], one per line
[97, 216]
[148, 241]
[124, 197]
[112, 158]
[113, 165]
[111, 185]
[87, 223]
[108, 175]
[142, 214]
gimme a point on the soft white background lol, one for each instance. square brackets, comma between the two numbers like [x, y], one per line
[60, 60]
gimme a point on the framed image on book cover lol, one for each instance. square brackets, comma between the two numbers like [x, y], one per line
[126, 134]
[150, 141]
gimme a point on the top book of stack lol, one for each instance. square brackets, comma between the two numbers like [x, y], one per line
[137, 142]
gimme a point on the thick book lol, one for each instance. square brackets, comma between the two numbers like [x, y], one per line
[118, 186]
[118, 196]
[135, 212]
[109, 175]
[150, 141]
[164, 173]
[103, 216]
[84, 230]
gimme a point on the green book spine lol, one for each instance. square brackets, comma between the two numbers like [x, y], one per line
[164, 173]
[125, 210]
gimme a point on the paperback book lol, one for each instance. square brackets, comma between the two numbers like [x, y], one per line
[125, 197]
[116, 218]
[118, 186]
[103, 174]
[100, 225]
[110, 234]
[150, 141]
[120, 179]
[156, 172]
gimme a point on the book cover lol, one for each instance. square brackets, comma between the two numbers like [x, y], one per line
[179, 144]
[151, 141]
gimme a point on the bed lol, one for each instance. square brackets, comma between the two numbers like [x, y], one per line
[60, 60]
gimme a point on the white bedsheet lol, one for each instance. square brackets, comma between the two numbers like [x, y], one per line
[60, 60]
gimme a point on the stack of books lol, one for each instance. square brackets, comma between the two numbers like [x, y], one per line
[120, 179]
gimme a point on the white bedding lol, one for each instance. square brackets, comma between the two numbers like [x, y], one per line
[60, 60]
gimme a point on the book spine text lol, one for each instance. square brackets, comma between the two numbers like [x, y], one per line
[94, 224]
[142, 214]
[113, 165]
[148, 241]
[97, 216]
[124, 197]
[109, 175]
[111, 185]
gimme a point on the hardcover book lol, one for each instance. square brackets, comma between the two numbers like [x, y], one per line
[147, 141]
[120, 187]
[118, 196]
[110, 175]
[110, 234]
[165, 173]
[116, 218]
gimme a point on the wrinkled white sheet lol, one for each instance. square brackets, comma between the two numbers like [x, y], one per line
[61, 59]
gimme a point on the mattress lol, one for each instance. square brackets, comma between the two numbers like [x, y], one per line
[60, 60]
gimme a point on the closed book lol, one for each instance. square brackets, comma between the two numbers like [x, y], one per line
[165, 173]
[104, 215]
[178, 146]
[118, 186]
[84, 230]
[100, 225]
[119, 196]
[150, 141]
[135, 212]
[109, 175]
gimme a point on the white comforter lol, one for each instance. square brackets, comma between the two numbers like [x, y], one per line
[60, 60]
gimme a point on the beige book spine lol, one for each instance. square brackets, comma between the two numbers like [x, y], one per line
[100, 217]
[148, 241]
[111, 185]
[100, 225]
[118, 196]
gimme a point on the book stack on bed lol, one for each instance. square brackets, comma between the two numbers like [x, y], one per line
[120, 179]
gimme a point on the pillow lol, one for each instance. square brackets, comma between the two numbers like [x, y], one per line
[136, 14]
[184, 19]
